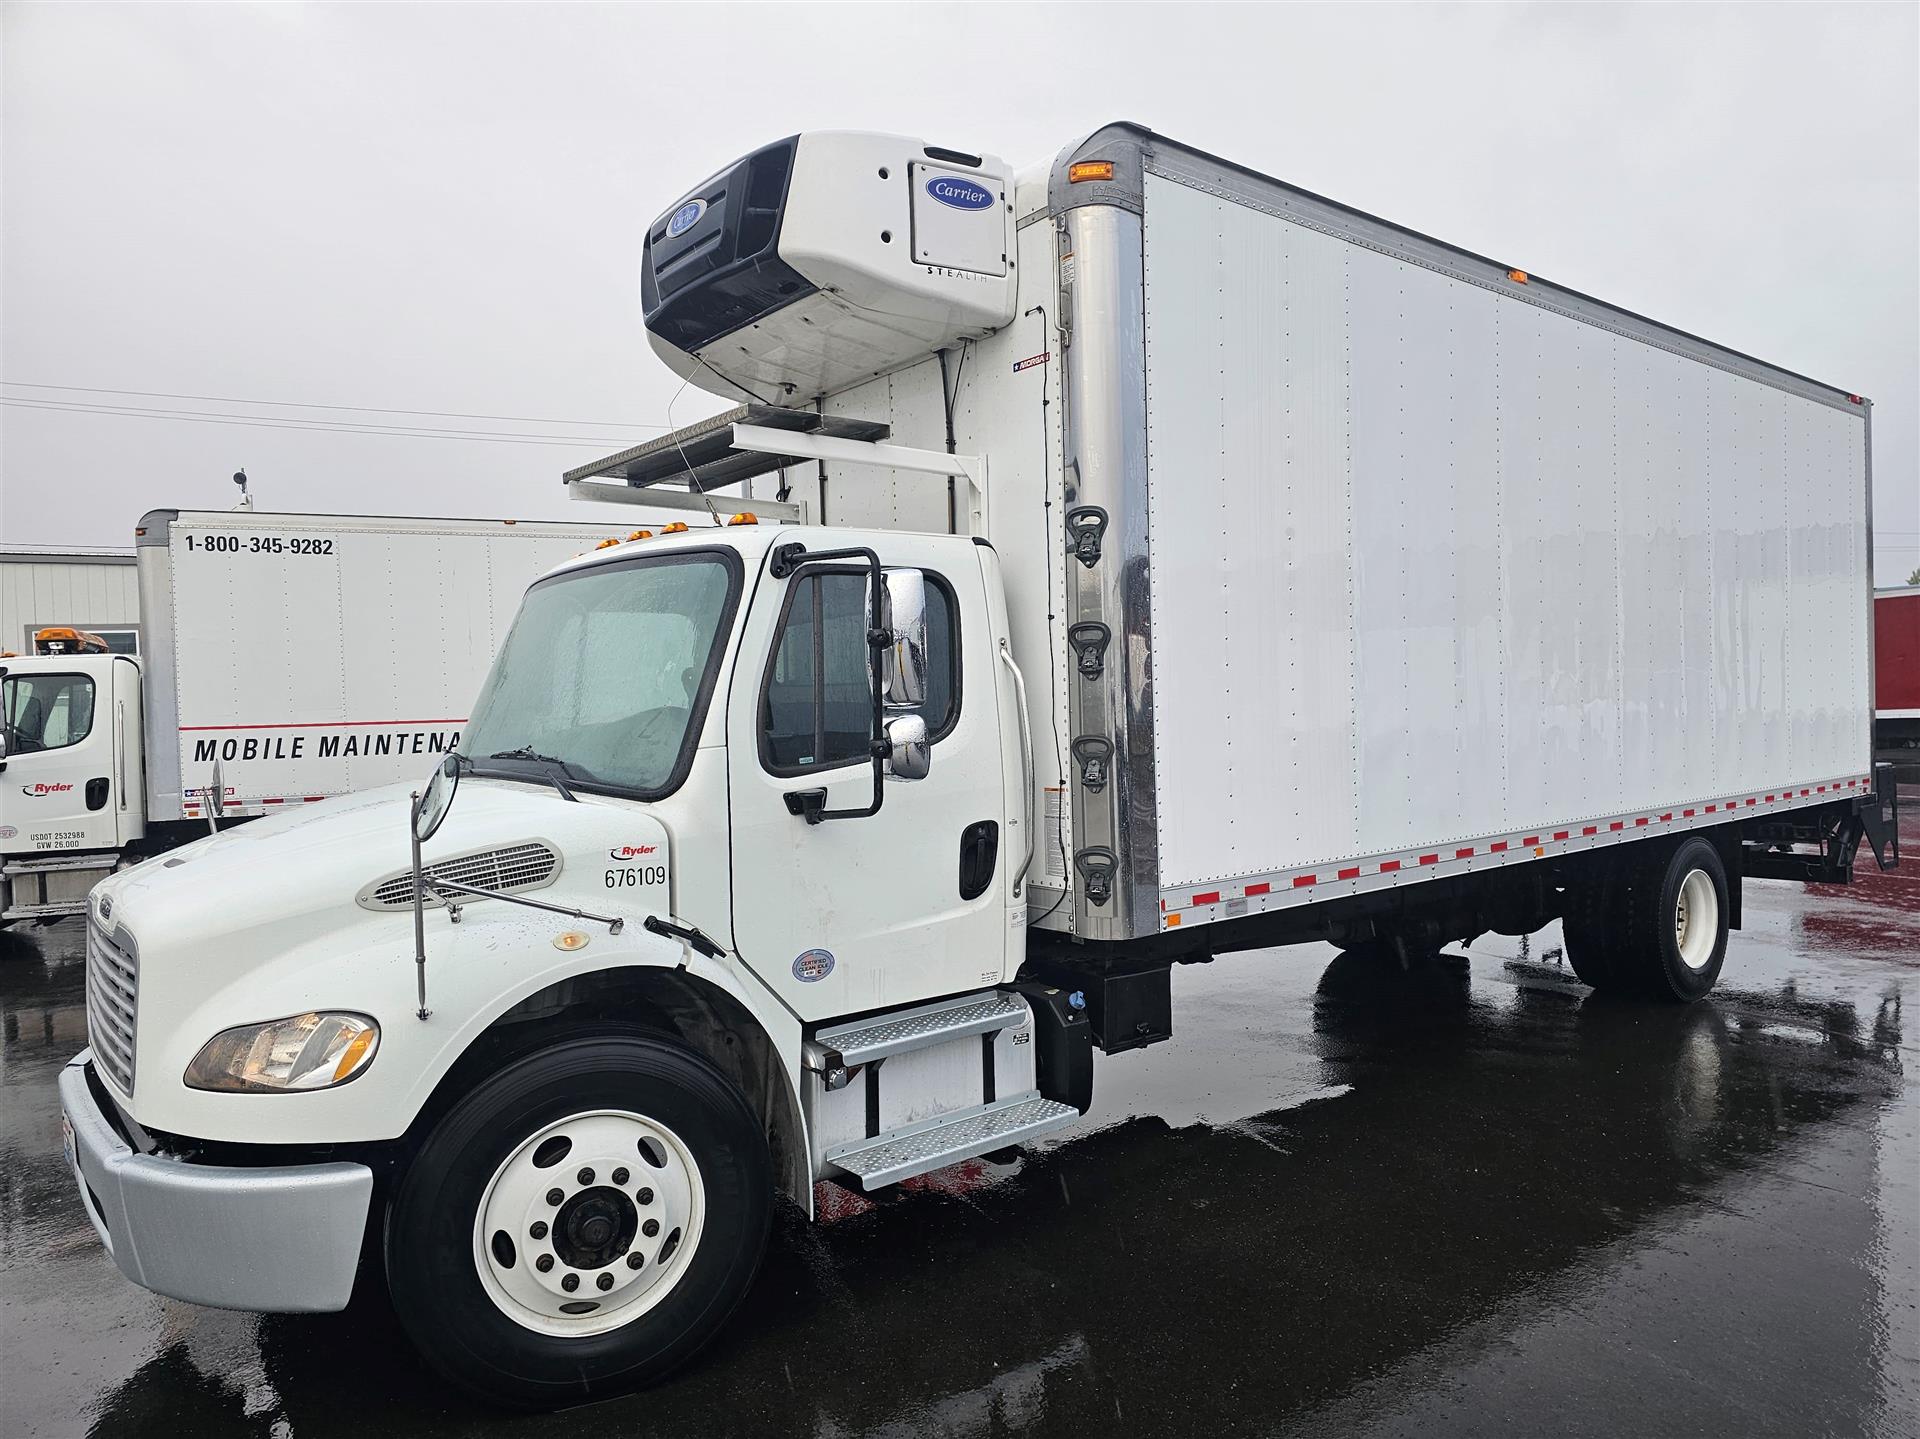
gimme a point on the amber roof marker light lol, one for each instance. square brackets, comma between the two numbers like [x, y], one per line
[1519, 277]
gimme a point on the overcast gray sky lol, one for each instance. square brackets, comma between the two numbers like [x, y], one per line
[441, 207]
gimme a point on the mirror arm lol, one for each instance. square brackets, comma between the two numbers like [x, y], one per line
[419, 912]
[443, 887]
[788, 558]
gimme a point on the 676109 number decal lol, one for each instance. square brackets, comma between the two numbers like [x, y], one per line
[636, 875]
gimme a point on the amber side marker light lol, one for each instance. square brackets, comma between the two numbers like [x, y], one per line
[1519, 277]
[1089, 170]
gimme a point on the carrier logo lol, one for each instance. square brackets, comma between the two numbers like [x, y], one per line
[959, 193]
[39, 791]
[631, 851]
[685, 218]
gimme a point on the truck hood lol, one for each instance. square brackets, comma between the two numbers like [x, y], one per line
[322, 859]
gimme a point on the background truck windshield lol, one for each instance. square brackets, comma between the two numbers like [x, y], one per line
[46, 711]
[604, 671]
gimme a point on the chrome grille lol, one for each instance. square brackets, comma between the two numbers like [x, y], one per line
[516, 867]
[113, 1000]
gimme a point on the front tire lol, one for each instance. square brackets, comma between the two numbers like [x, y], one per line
[581, 1223]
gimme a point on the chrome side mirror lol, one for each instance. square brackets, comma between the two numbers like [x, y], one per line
[215, 793]
[904, 680]
[909, 754]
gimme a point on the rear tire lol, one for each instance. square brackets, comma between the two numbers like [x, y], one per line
[1676, 916]
[1585, 926]
[663, 1162]
[1654, 924]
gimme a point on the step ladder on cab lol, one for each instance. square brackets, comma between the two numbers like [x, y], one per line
[905, 1092]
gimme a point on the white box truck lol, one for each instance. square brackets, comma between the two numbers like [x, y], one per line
[1162, 562]
[287, 650]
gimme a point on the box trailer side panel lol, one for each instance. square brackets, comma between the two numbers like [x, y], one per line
[1435, 567]
[315, 655]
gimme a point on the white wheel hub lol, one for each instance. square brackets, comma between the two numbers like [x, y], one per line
[589, 1223]
[1696, 919]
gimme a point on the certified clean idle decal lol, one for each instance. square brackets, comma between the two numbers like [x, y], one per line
[815, 964]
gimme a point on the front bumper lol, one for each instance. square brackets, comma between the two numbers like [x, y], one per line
[282, 1239]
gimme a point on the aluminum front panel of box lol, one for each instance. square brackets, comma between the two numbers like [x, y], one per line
[1432, 561]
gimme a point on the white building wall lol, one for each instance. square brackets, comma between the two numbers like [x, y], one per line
[93, 590]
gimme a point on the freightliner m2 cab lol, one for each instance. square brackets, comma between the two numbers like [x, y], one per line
[1134, 560]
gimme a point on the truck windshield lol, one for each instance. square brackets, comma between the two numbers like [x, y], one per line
[606, 673]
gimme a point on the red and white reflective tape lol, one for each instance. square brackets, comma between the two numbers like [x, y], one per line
[191, 807]
[1364, 873]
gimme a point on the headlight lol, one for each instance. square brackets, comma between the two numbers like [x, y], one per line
[308, 1051]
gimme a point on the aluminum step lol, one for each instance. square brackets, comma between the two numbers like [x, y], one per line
[862, 1041]
[921, 1148]
[102, 862]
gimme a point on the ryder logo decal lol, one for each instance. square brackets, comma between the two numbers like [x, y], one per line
[38, 791]
[632, 851]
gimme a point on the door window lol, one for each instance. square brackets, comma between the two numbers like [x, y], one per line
[816, 710]
[46, 711]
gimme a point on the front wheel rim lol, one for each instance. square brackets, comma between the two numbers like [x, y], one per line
[589, 1223]
[1696, 920]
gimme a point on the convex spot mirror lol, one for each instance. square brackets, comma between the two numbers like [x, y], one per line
[904, 661]
[436, 799]
[909, 755]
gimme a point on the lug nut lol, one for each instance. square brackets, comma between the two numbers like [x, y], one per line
[645, 1196]
[619, 1176]
[605, 1281]
[570, 1282]
[538, 1230]
[543, 1263]
[585, 1176]
[554, 1196]
[636, 1259]
[650, 1228]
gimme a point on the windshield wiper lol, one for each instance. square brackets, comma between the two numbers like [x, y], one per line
[555, 770]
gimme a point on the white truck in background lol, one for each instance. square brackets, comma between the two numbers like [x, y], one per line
[1165, 562]
[287, 648]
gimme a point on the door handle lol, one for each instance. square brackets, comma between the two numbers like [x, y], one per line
[979, 848]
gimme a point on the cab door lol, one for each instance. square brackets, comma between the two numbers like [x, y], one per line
[889, 908]
[64, 762]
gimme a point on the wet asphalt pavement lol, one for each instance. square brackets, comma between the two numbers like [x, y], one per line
[1344, 1199]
